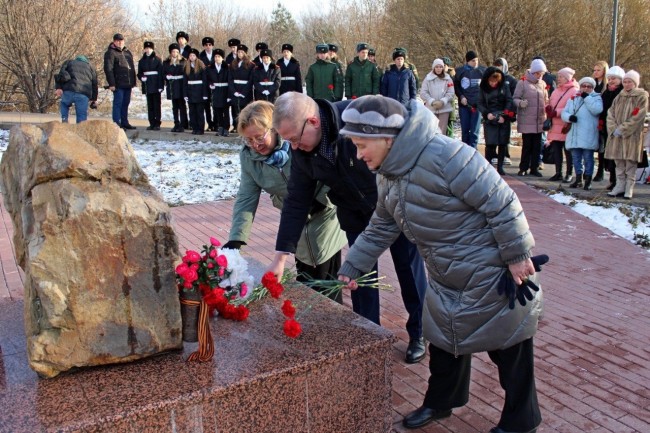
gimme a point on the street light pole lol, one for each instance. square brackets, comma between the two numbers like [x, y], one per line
[612, 53]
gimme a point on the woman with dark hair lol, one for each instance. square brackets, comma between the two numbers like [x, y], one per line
[495, 104]
[173, 69]
[615, 76]
[240, 82]
[196, 90]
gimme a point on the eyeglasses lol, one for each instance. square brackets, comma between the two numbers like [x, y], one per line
[250, 141]
[587, 86]
[297, 140]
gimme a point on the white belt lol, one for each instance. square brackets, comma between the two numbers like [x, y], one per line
[220, 84]
[175, 77]
[195, 82]
[266, 83]
[288, 78]
[240, 81]
[151, 73]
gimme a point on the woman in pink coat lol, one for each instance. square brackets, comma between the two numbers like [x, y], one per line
[566, 88]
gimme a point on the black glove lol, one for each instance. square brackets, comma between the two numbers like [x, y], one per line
[233, 245]
[573, 118]
[523, 291]
[507, 286]
[584, 95]
[93, 105]
[538, 261]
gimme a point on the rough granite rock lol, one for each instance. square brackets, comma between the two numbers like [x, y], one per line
[97, 246]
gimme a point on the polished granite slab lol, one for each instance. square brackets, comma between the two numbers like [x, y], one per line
[335, 377]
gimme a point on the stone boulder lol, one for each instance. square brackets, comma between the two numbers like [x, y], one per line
[96, 243]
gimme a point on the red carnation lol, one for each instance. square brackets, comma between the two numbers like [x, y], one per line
[354, 97]
[548, 87]
[191, 256]
[635, 111]
[450, 84]
[266, 80]
[330, 86]
[292, 328]
[601, 125]
[288, 309]
[275, 290]
[524, 78]
[269, 278]
[473, 110]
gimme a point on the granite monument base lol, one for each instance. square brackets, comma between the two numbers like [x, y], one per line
[335, 377]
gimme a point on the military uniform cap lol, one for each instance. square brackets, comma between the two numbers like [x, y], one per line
[234, 42]
[322, 48]
[287, 47]
[207, 40]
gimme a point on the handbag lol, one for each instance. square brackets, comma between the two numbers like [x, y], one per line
[547, 125]
[547, 155]
[566, 128]
[548, 122]
[644, 160]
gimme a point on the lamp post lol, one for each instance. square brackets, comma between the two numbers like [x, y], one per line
[612, 53]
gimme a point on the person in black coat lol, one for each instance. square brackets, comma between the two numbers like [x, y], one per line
[291, 77]
[76, 83]
[259, 47]
[183, 39]
[240, 82]
[196, 90]
[232, 55]
[150, 73]
[398, 82]
[120, 74]
[218, 83]
[207, 57]
[502, 64]
[266, 78]
[173, 70]
[319, 153]
[495, 104]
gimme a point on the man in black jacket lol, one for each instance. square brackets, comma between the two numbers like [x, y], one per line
[76, 84]
[150, 73]
[120, 74]
[291, 77]
[319, 153]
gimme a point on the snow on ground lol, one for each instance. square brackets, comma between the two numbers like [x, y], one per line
[187, 172]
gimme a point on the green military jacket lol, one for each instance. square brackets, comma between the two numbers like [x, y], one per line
[324, 81]
[321, 237]
[361, 78]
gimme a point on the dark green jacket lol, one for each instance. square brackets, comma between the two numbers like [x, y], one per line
[361, 78]
[324, 81]
[321, 237]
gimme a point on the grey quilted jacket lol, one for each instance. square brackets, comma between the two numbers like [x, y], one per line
[468, 225]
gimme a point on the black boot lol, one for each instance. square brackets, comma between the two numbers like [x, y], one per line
[600, 172]
[578, 182]
[500, 165]
[556, 177]
[587, 183]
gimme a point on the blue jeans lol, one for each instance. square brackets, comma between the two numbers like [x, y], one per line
[470, 125]
[121, 101]
[80, 102]
[588, 156]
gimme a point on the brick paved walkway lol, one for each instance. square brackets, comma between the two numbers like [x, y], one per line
[592, 348]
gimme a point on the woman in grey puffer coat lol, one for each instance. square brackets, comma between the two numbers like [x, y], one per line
[472, 233]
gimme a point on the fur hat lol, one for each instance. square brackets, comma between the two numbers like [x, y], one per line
[587, 80]
[399, 53]
[234, 42]
[148, 44]
[567, 73]
[373, 116]
[118, 37]
[362, 46]
[182, 35]
[537, 65]
[616, 71]
[207, 40]
[322, 48]
[242, 47]
[372, 52]
[471, 55]
[261, 46]
[333, 48]
[634, 76]
[287, 47]
[266, 52]
[174, 46]
[195, 52]
[437, 62]
[219, 52]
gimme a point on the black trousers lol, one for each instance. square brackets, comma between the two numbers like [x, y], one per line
[179, 110]
[153, 108]
[559, 148]
[196, 116]
[221, 119]
[207, 107]
[324, 271]
[450, 379]
[530, 150]
[496, 151]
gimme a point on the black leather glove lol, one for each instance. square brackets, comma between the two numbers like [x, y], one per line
[573, 118]
[233, 245]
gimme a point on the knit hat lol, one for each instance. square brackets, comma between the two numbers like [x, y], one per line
[587, 80]
[399, 53]
[207, 40]
[537, 65]
[182, 35]
[634, 76]
[373, 116]
[437, 62]
[567, 73]
[117, 37]
[234, 42]
[362, 46]
[322, 48]
[148, 44]
[174, 47]
[287, 47]
[616, 71]
[471, 55]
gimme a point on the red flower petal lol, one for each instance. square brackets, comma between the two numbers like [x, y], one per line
[292, 328]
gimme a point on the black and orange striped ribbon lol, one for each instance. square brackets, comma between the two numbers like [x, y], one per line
[206, 345]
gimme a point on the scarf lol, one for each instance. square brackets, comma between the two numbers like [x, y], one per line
[279, 157]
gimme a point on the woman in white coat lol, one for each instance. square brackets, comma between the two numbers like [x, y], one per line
[437, 92]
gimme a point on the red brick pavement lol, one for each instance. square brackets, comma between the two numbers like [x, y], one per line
[592, 348]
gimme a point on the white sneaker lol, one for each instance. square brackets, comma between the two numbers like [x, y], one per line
[507, 161]
[494, 161]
